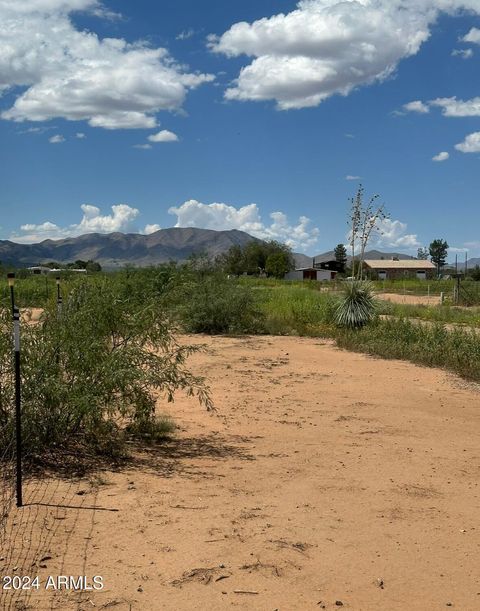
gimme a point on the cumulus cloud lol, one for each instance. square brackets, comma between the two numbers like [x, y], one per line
[57, 139]
[416, 106]
[463, 53]
[327, 47]
[247, 218]
[472, 36]
[443, 156]
[471, 144]
[451, 107]
[151, 228]
[351, 177]
[80, 135]
[72, 74]
[392, 234]
[163, 136]
[93, 221]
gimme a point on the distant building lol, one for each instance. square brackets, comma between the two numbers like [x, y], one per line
[332, 265]
[39, 269]
[398, 270]
[310, 273]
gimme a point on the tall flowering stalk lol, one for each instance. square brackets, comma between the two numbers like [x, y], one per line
[364, 220]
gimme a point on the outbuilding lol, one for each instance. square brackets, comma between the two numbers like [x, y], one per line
[310, 273]
[400, 269]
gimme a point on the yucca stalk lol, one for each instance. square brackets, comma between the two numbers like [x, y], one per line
[358, 306]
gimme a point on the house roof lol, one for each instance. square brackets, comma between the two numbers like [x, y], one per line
[403, 264]
[313, 269]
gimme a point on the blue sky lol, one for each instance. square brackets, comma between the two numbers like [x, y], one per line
[268, 127]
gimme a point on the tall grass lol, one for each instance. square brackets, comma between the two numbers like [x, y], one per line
[293, 310]
[445, 313]
[432, 345]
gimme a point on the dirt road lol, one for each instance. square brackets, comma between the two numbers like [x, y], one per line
[325, 479]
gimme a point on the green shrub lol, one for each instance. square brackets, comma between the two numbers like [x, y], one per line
[93, 370]
[212, 303]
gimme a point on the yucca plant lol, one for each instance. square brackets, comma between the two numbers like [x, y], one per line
[358, 306]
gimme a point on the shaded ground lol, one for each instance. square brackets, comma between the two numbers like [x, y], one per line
[324, 476]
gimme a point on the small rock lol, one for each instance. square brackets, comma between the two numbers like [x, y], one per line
[139, 589]
[339, 603]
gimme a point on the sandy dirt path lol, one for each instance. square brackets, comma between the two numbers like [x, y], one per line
[325, 479]
[427, 300]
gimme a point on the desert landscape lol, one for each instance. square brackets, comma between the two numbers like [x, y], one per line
[324, 479]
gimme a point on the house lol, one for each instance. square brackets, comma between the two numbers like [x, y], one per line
[310, 273]
[398, 270]
[39, 269]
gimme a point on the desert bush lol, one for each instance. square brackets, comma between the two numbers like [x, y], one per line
[95, 370]
[357, 307]
[212, 303]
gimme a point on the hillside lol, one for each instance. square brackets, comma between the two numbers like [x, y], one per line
[117, 249]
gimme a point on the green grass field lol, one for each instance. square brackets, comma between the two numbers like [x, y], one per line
[290, 308]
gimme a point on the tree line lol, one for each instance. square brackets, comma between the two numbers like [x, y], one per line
[271, 259]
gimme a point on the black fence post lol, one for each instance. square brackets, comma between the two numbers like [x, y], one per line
[59, 296]
[18, 410]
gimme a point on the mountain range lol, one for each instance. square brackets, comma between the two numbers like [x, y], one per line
[117, 249]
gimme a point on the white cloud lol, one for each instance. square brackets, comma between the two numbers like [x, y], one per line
[163, 136]
[246, 218]
[151, 228]
[392, 234]
[416, 106]
[463, 53]
[328, 47]
[80, 135]
[121, 219]
[57, 139]
[72, 74]
[474, 245]
[185, 35]
[443, 156]
[471, 144]
[451, 107]
[472, 36]
[142, 146]
[351, 177]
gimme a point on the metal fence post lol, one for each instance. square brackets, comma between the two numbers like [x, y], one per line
[59, 296]
[18, 411]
